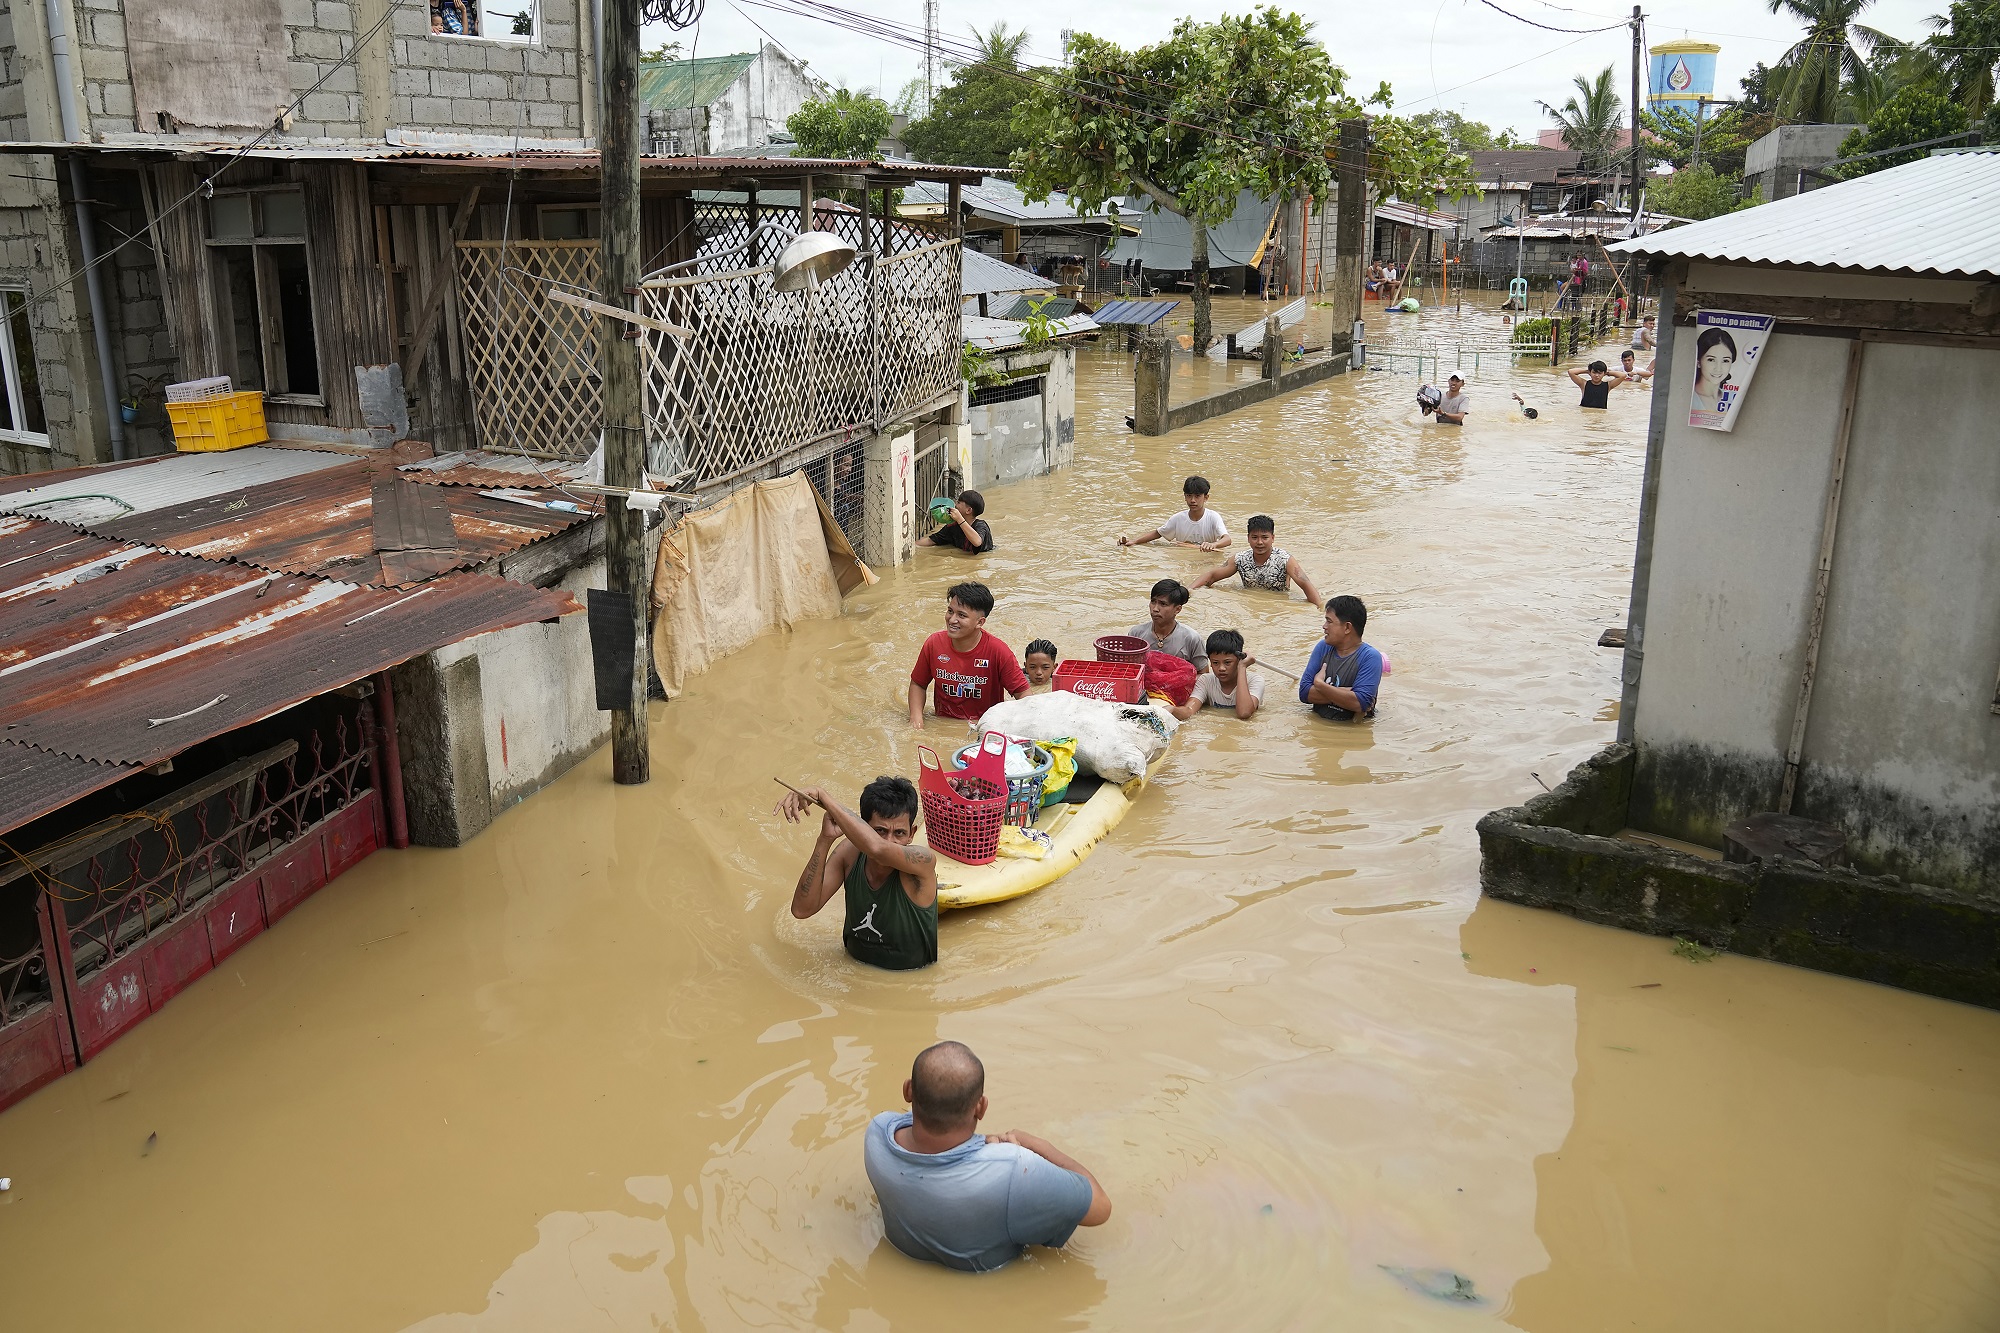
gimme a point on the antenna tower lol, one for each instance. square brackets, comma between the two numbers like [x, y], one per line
[930, 53]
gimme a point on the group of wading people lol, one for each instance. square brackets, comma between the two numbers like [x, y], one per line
[950, 1194]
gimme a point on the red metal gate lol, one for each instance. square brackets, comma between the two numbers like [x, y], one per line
[134, 909]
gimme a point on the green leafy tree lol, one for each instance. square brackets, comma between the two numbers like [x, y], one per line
[971, 121]
[1698, 192]
[1590, 121]
[1249, 102]
[1723, 136]
[1912, 116]
[843, 124]
[670, 51]
[1964, 50]
[1816, 76]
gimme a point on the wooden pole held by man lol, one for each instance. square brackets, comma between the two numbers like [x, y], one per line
[619, 359]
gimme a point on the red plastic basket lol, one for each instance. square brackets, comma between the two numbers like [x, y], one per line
[1120, 648]
[963, 810]
[1119, 682]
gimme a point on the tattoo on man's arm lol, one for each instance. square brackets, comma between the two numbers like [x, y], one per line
[814, 873]
[919, 856]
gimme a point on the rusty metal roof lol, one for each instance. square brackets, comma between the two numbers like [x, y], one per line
[120, 654]
[296, 511]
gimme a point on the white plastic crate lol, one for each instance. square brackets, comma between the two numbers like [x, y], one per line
[193, 391]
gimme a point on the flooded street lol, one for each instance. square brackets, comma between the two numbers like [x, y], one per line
[587, 1072]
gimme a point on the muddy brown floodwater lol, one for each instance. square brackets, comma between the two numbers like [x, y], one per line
[587, 1073]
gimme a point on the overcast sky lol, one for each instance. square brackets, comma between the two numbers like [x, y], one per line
[1459, 54]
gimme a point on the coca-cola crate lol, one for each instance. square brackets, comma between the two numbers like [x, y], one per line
[1118, 682]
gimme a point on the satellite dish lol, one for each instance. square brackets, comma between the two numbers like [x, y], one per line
[810, 258]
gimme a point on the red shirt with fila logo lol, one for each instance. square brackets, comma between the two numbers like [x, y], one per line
[967, 684]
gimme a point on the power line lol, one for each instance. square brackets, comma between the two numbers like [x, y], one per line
[1550, 28]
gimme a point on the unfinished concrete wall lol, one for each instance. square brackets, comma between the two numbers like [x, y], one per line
[1902, 749]
[759, 103]
[37, 246]
[491, 85]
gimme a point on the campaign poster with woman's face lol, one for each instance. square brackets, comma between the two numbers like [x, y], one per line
[1727, 344]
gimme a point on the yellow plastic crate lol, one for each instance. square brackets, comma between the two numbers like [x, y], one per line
[226, 421]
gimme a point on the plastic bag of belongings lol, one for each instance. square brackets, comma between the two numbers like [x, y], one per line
[1115, 741]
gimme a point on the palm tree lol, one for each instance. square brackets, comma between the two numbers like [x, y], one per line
[1591, 126]
[1828, 60]
[1000, 47]
[1963, 51]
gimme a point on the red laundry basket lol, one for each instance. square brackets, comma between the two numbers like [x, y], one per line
[1121, 648]
[963, 810]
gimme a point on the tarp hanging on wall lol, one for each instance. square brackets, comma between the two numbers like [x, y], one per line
[209, 63]
[760, 560]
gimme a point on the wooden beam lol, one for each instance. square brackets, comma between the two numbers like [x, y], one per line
[433, 300]
[615, 312]
[1925, 317]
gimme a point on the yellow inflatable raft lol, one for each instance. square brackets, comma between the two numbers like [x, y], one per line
[1074, 829]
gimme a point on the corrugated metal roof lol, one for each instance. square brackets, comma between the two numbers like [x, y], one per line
[1001, 200]
[1937, 217]
[997, 335]
[1415, 215]
[680, 83]
[985, 275]
[87, 495]
[123, 654]
[301, 512]
[34, 782]
[1136, 313]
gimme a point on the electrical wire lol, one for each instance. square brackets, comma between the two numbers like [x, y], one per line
[1550, 28]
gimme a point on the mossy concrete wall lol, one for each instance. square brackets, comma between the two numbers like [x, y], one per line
[1556, 852]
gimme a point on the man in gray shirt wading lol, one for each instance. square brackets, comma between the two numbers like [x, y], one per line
[964, 1199]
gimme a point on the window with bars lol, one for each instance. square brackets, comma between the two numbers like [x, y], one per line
[22, 420]
[265, 323]
[1029, 386]
[840, 477]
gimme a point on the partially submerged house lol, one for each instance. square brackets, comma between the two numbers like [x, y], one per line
[1812, 633]
[369, 220]
[1068, 248]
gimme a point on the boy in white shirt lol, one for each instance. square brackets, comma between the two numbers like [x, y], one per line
[1199, 526]
[1228, 682]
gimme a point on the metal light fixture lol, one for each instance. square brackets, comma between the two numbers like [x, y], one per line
[810, 258]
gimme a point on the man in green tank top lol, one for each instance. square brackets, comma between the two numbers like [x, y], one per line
[891, 886]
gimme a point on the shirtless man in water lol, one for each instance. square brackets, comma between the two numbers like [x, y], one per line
[891, 886]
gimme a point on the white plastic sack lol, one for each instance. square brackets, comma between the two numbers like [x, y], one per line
[1114, 741]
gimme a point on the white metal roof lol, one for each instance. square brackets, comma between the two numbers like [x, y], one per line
[997, 335]
[100, 495]
[983, 274]
[1939, 216]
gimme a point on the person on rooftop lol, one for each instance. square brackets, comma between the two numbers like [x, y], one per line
[953, 1196]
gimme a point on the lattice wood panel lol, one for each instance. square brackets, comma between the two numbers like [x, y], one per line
[533, 362]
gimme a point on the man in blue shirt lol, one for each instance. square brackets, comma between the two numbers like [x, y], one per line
[963, 1199]
[1343, 675]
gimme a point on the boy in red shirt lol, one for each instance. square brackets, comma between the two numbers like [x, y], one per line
[970, 666]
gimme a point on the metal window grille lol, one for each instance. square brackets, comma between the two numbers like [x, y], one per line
[1029, 386]
[841, 480]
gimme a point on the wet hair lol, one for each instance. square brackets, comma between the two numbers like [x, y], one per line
[1040, 646]
[1648, 319]
[972, 596]
[1711, 338]
[889, 796]
[946, 1082]
[1261, 523]
[1173, 590]
[1628, 355]
[1349, 609]
[1195, 486]
[974, 501]
[1225, 641]
[1599, 368]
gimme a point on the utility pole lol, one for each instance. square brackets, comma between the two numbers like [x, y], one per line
[1638, 147]
[618, 354]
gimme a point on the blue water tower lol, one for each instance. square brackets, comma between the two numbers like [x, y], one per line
[1681, 77]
